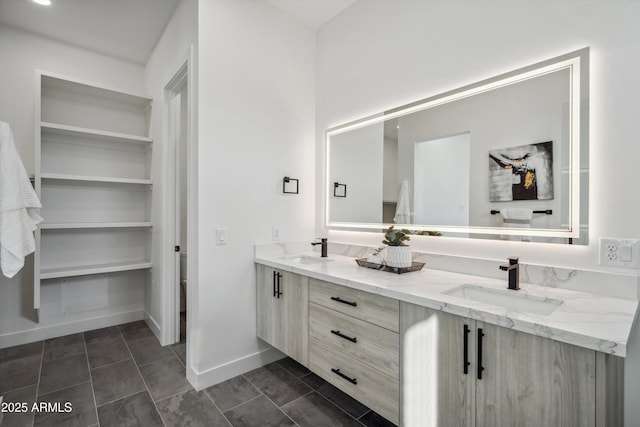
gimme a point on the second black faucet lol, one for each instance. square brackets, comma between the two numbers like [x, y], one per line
[514, 272]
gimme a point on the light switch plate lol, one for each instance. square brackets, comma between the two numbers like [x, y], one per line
[221, 236]
[619, 252]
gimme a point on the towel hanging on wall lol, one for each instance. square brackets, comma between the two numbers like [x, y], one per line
[403, 211]
[517, 218]
[18, 205]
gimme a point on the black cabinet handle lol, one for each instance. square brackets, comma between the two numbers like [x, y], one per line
[340, 374]
[480, 367]
[354, 339]
[338, 299]
[275, 293]
[466, 363]
[279, 276]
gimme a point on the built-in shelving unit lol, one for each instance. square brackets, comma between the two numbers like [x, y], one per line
[93, 176]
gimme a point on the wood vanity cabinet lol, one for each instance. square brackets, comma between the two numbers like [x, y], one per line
[282, 311]
[462, 372]
[354, 344]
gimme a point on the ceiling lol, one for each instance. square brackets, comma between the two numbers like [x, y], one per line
[130, 29]
[313, 13]
[125, 29]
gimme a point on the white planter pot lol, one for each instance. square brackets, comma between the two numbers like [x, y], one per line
[399, 256]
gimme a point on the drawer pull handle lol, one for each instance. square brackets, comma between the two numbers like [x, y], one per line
[341, 335]
[338, 299]
[340, 374]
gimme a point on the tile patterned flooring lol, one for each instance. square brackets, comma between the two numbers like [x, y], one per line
[121, 376]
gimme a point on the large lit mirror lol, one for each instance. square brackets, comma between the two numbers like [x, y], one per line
[504, 158]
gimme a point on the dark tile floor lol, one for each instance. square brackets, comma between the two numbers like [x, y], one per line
[121, 376]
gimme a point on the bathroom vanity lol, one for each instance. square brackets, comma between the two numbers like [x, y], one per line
[440, 348]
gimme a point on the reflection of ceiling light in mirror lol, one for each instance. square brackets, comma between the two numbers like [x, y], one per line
[43, 2]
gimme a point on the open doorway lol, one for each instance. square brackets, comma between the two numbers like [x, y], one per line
[442, 180]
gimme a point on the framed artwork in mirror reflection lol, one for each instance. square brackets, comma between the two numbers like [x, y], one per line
[521, 173]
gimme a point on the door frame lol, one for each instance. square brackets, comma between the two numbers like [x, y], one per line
[183, 77]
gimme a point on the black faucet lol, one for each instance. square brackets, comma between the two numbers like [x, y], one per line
[514, 272]
[322, 242]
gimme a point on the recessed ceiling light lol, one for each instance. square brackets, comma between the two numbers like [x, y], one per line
[43, 2]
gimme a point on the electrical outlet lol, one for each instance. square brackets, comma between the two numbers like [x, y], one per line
[619, 252]
[275, 233]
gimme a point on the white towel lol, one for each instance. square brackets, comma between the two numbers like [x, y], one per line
[403, 210]
[18, 202]
[517, 218]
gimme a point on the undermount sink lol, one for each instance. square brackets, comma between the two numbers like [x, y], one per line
[305, 259]
[516, 300]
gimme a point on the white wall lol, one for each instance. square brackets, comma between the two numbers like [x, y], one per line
[171, 52]
[357, 161]
[22, 53]
[441, 45]
[390, 170]
[256, 125]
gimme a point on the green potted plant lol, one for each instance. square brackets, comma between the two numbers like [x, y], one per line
[398, 252]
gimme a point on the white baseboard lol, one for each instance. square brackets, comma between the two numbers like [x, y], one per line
[43, 332]
[201, 380]
[155, 328]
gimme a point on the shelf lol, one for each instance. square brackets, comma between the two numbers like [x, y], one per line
[89, 90]
[65, 177]
[89, 225]
[66, 130]
[59, 272]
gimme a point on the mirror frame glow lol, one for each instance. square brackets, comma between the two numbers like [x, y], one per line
[578, 65]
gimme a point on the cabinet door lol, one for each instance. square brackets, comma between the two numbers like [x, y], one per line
[533, 381]
[282, 311]
[268, 310]
[435, 390]
[294, 311]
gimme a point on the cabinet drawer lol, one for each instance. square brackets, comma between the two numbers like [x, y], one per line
[373, 345]
[372, 308]
[376, 390]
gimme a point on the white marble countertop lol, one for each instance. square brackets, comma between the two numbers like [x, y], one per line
[587, 320]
